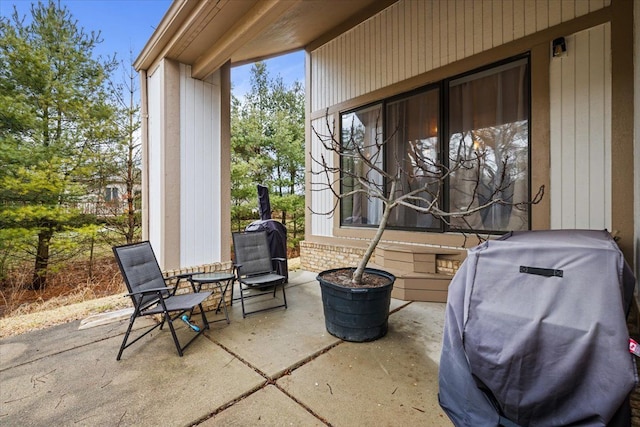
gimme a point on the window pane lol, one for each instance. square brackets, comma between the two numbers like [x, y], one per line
[110, 194]
[489, 147]
[413, 147]
[361, 131]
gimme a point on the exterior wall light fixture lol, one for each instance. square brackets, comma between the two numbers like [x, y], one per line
[558, 47]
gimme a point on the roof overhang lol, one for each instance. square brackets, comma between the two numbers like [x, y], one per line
[207, 33]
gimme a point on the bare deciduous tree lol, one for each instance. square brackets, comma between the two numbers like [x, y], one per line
[415, 181]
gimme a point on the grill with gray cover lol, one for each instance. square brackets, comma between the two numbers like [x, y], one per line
[536, 335]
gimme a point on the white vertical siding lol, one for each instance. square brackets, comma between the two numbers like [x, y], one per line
[155, 152]
[580, 115]
[321, 199]
[412, 37]
[200, 220]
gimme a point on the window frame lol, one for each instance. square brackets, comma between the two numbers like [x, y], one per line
[444, 141]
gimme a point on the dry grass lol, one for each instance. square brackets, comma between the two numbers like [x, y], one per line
[19, 324]
[76, 282]
[71, 295]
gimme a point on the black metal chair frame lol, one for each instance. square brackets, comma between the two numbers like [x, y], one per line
[256, 281]
[160, 300]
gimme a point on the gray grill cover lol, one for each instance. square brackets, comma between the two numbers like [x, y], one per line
[551, 350]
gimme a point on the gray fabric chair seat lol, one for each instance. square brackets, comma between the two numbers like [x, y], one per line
[178, 302]
[262, 280]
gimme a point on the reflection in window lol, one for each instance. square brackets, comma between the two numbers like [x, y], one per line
[488, 147]
[413, 145]
[485, 152]
[361, 130]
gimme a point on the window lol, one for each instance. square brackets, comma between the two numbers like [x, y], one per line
[111, 194]
[484, 117]
[361, 130]
[413, 145]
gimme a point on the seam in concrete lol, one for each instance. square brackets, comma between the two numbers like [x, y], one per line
[395, 310]
[302, 405]
[268, 380]
[229, 404]
[273, 380]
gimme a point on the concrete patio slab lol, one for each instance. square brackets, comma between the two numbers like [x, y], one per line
[378, 383]
[45, 342]
[274, 368]
[277, 340]
[266, 407]
[422, 323]
[151, 385]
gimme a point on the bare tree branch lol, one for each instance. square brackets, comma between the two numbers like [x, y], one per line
[414, 182]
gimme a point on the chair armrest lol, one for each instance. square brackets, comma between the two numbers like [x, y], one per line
[181, 276]
[152, 291]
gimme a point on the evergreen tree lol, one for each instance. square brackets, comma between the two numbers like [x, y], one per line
[55, 117]
[267, 138]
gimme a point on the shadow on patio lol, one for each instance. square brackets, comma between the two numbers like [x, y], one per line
[274, 368]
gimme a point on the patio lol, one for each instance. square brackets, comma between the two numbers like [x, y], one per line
[274, 368]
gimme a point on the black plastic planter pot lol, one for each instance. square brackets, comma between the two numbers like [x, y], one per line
[356, 314]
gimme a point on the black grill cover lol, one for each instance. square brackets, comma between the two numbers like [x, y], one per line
[264, 204]
[535, 331]
[277, 238]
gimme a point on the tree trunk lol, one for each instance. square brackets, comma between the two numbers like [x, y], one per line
[131, 213]
[39, 281]
[388, 206]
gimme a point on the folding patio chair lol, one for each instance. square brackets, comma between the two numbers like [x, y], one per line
[254, 269]
[150, 294]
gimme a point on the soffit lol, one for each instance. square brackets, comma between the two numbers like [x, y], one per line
[208, 33]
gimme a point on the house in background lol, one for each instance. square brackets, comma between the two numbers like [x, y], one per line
[552, 85]
[110, 199]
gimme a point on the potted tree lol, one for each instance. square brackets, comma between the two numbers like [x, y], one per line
[356, 299]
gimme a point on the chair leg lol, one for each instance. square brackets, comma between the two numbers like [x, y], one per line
[244, 314]
[167, 317]
[284, 296]
[126, 336]
[162, 323]
[264, 292]
[204, 318]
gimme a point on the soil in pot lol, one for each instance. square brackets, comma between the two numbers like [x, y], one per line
[342, 277]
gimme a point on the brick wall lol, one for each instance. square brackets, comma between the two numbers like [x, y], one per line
[447, 266]
[212, 302]
[321, 256]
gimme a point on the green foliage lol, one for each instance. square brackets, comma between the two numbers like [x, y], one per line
[55, 120]
[267, 139]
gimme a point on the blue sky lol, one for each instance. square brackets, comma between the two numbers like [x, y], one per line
[126, 25]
